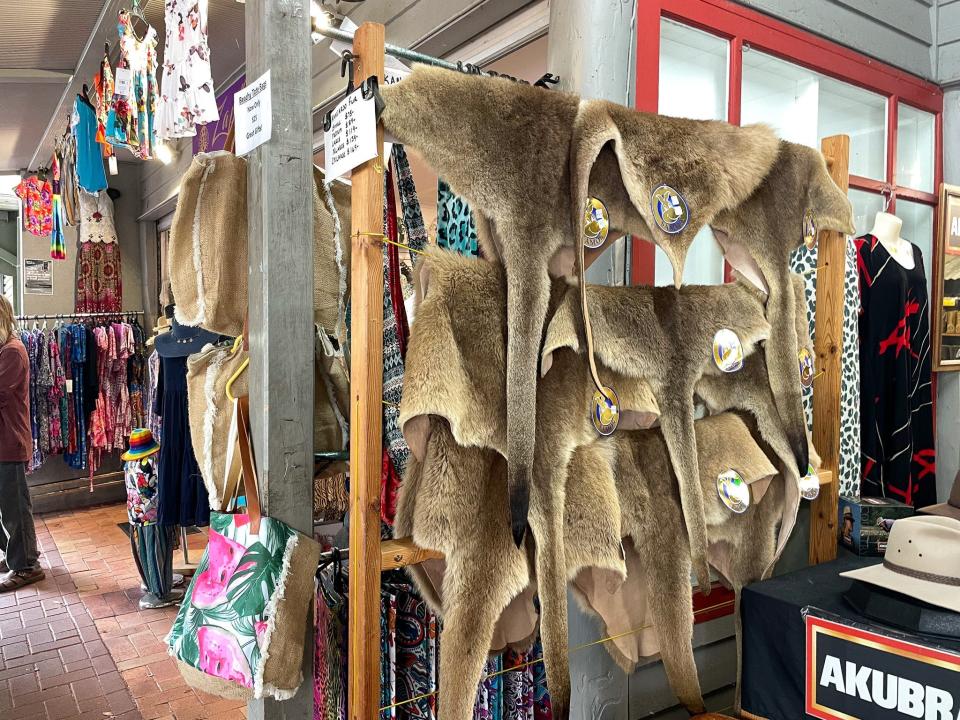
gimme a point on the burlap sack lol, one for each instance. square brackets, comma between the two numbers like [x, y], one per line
[210, 411]
[331, 254]
[208, 244]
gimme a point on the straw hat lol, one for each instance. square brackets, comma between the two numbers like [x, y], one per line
[142, 444]
[922, 561]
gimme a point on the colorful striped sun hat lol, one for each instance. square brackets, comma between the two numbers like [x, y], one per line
[142, 445]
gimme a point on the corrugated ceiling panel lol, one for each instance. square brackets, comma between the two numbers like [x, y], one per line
[45, 34]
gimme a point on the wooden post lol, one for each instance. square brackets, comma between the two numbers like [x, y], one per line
[280, 229]
[366, 410]
[828, 344]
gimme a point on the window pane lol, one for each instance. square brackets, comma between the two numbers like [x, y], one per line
[915, 148]
[918, 229]
[693, 73]
[693, 84]
[866, 205]
[805, 107]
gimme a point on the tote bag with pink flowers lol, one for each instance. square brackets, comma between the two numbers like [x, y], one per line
[240, 630]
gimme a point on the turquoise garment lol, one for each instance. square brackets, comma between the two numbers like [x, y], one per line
[90, 174]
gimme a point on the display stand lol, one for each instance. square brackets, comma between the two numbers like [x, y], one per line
[368, 554]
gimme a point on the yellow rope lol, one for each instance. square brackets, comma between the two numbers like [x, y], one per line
[571, 649]
[384, 238]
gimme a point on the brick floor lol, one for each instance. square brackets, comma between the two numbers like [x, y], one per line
[77, 646]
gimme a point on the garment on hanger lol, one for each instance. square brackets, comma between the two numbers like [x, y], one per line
[89, 161]
[130, 120]
[804, 262]
[456, 229]
[104, 88]
[99, 285]
[183, 496]
[896, 408]
[152, 419]
[67, 154]
[37, 197]
[186, 90]
[58, 250]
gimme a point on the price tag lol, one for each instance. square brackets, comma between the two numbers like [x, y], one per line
[122, 82]
[253, 114]
[352, 137]
[69, 386]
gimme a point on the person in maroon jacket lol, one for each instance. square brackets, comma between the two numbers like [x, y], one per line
[18, 538]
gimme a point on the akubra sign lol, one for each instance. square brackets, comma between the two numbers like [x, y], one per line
[853, 673]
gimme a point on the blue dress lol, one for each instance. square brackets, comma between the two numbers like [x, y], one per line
[90, 174]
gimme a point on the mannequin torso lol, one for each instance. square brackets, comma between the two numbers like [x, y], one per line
[886, 228]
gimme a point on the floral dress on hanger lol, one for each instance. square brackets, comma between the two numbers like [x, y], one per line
[130, 121]
[186, 97]
[99, 286]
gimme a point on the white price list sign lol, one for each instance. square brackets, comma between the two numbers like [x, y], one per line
[253, 113]
[352, 137]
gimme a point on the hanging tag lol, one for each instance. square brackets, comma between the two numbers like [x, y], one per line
[112, 164]
[733, 491]
[805, 360]
[69, 386]
[669, 208]
[352, 137]
[727, 351]
[606, 411]
[253, 114]
[596, 224]
[810, 485]
[122, 82]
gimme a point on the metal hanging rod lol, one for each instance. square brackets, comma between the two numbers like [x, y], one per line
[71, 316]
[394, 50]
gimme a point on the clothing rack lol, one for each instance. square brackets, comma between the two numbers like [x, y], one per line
[367, 555]
[75, 316]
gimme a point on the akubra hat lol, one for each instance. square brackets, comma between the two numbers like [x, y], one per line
[922, 561]
[951, 508]
[142, 444]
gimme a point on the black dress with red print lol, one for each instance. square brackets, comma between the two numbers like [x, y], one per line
[896, 401]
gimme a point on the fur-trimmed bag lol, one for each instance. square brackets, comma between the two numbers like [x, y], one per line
[208, 244]
[240, 630]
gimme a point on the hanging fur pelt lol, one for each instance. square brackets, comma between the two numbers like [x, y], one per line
[452, 415]
[509, 150]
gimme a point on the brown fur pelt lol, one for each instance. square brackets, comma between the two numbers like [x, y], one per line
[757, 238]
[517, 155]
[665, 336]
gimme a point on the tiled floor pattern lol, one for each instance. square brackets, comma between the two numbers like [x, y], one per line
[77, 646]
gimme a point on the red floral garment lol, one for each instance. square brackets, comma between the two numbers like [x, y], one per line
[37, 197]
[99, 285]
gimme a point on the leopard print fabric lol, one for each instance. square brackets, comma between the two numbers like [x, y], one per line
[804, 262]
[455, 227]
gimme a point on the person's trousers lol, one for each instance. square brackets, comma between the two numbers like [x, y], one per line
[18, 537]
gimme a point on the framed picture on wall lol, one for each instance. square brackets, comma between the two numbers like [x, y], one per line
[945, 299]
[37, 277]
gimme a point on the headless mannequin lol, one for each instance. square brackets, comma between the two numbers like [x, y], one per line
[886, 228]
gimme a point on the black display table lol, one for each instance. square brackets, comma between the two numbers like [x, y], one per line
[774, 637]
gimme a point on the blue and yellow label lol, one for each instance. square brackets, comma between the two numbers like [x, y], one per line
[669, 209]
[606, 411]
[596, 223]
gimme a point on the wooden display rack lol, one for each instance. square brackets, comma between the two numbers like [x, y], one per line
[368, 555]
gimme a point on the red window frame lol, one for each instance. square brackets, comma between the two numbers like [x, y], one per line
[740, 25]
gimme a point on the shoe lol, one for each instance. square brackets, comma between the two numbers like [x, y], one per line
[16, 579]
[152, 602]
[178, 581]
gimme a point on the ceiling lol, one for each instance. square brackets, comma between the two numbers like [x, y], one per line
[42, 42]
[42, 47]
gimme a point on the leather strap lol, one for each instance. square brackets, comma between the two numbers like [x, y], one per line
[921, 575]
[588, 331]
[250, 490]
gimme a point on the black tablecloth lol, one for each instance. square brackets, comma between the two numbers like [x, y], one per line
[774, 633]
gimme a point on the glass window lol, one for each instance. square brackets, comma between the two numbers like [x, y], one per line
[918, 229]
[693, 73]
[693, 84]
[866, 205]
[915, 148]
[805, 107]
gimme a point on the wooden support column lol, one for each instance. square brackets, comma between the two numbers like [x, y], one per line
[828, 344]
[280, 228]
[366, 409]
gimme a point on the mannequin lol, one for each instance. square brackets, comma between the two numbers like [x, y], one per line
[886, 228]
